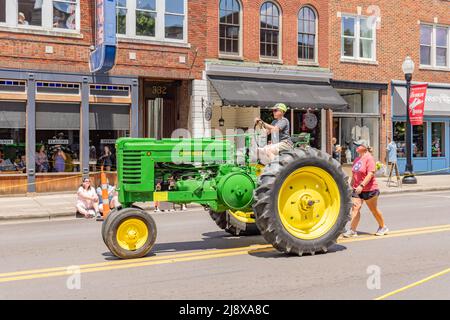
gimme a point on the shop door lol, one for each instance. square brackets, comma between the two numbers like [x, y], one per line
[161, 112]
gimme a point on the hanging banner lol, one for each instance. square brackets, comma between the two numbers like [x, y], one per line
[417, 103]
[103, 58]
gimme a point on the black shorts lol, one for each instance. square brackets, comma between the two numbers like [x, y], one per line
[366, 195]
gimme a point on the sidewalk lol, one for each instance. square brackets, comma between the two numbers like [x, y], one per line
[63, 205]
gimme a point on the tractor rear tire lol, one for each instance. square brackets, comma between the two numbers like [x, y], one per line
[130, 233]
[227, 222]
[303, 202]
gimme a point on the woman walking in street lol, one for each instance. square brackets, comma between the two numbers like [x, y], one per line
[365, 189]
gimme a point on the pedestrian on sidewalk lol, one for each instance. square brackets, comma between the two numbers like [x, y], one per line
[87, 201]
[365, 190]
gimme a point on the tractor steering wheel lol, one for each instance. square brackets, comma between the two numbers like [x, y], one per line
[260, 134]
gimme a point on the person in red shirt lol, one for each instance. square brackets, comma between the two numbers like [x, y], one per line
[365, 189]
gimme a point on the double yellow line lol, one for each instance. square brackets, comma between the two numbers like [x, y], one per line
[185, 257]
[415, 284]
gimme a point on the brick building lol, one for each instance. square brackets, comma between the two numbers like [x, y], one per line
[368, 44]
[49, 98]
[178, 60]
[262, 52]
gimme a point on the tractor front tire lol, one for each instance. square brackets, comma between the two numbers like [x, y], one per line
[130, 233]
[303, 202]
[230, 224]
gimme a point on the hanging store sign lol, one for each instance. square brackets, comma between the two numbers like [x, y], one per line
[6, 142]
[103, 58]
[417, 103]
[108, 141]
[58, 141]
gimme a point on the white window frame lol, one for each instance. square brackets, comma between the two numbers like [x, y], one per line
[433, 57]
[279, 58]
[357, 37]
[12, 12]
[229, 55]
[316, 43]
[160, 23]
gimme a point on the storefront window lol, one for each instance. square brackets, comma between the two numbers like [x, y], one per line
[12, 137]
[438, 139]
[351, 131]
[306, 122]
[420, 141]
[62, 149]
[102, 150]
[12, 151]
[58, 132]
[360, 122]
[107, 124]
[399, 137]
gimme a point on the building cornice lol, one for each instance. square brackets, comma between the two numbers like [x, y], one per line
[266, 71]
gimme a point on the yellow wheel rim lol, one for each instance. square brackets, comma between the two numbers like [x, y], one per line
[245, 217]
[309, 203]
[132, 234]
[259, 168]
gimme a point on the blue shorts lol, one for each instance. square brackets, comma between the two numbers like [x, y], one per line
[366, 195]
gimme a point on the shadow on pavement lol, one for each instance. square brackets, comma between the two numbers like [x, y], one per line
[218, 240]
[279, 255]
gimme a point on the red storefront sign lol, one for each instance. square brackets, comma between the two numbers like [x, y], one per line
[417, 103]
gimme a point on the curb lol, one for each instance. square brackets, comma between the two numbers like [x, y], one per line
[71, 213]
[427, 189]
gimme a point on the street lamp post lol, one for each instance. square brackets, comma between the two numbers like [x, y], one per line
[408, 70]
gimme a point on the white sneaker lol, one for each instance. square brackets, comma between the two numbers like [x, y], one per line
[157, 210]
[382, 231]
[350, 234]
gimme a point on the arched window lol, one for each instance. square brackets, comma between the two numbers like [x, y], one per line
[270, 30]
[307, 29]
[230, 27]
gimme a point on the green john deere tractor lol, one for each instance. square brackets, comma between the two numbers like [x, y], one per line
[299, 203]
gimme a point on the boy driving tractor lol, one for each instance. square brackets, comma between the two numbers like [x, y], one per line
[279, 130]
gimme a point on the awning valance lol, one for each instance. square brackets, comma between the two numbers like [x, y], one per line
[437, 102]
[266, 93]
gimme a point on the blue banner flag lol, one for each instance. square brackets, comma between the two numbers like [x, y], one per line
[103, 58]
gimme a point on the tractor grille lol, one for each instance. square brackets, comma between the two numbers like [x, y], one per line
[131, 167]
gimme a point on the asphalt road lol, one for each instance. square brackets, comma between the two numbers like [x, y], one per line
[192, 259]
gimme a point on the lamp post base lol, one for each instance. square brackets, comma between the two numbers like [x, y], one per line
[409, 178]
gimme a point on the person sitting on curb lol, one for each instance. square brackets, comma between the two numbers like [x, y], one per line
[87, 201]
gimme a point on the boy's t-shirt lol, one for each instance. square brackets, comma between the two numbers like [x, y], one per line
[361, 167]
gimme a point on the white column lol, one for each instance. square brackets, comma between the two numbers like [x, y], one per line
[198, 124]
[323, 130]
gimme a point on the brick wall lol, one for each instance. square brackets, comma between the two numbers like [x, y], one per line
[397, 37]
[251, 29]
[71, 54]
